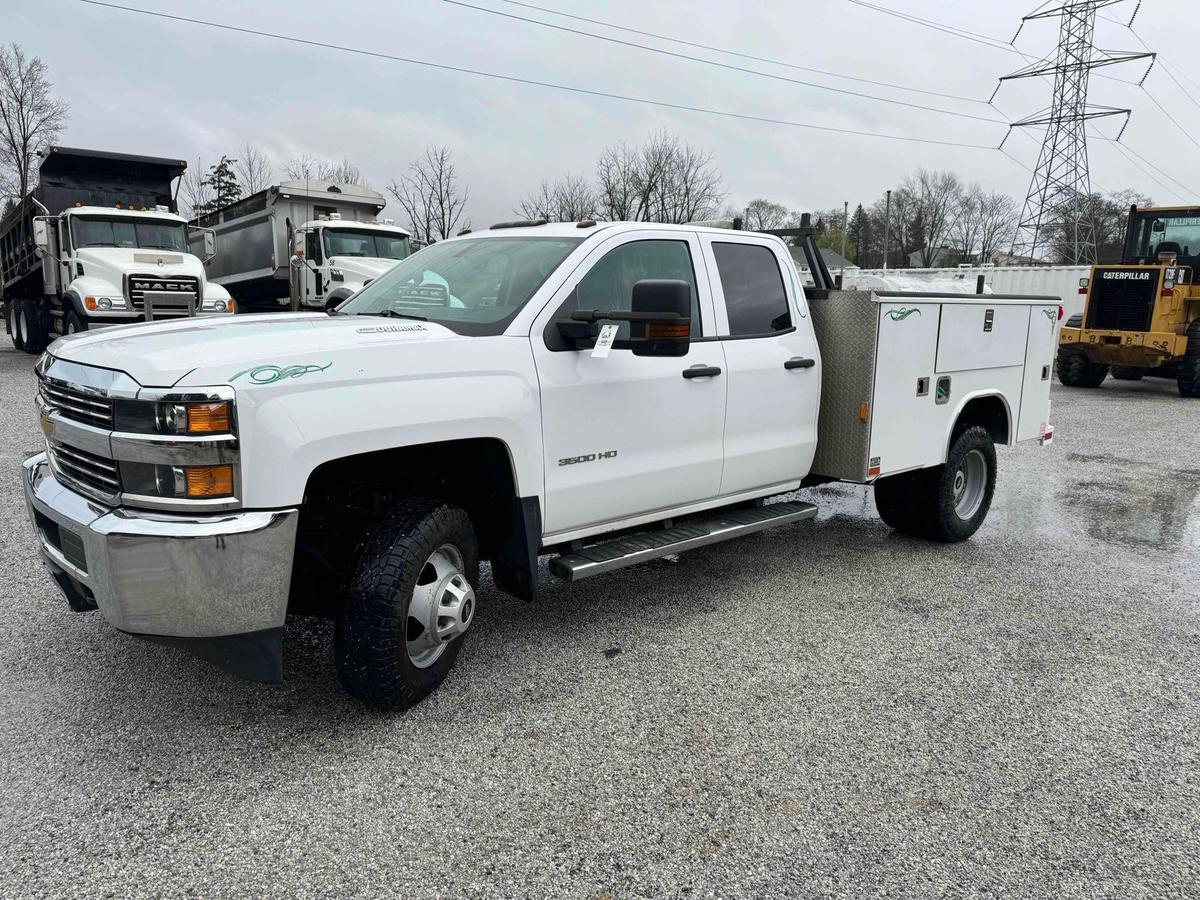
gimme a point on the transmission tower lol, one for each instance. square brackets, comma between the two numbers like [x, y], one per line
[1057, 209]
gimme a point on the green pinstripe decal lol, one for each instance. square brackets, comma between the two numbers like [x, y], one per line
[899, 315]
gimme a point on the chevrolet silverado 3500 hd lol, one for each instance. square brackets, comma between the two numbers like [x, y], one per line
[606, 393]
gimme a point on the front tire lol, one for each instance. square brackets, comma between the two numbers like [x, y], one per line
[1188, 376]
[1076, 370]
[72, 324]
[410, 602]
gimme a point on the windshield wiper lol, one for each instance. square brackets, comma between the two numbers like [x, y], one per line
[97, 244]
[392, 314]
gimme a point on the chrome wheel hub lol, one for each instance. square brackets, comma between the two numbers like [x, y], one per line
[442, 606]
[970, 484]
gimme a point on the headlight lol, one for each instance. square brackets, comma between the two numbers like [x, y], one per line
[217, 306]
[148, 417]
[336, 275]
[104, 303]
[177, 482]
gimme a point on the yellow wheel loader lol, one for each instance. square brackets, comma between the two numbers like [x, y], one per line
[1142, 316]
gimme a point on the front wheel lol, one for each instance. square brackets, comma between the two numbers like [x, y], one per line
[410, 602]
[1076, 370]
[72, 324]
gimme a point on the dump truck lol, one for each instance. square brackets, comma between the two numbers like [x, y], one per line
[1142, 316]
[303, 245]
[98, 242]
[601, 393]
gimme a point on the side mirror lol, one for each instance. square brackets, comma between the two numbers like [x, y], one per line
[41, 236]
[210, 245]
[661, 324]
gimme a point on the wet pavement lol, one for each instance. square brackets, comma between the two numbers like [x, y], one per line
[828, 709]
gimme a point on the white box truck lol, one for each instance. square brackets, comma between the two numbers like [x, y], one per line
[97, 243]
[303, 245]
[602, 393]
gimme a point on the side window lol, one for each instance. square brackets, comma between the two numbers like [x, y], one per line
[609, 284]
[312, 247]
[755, 298]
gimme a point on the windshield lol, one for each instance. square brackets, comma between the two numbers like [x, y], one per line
[378, 244]
[1157, 228]
[471, 286]
[146, 234]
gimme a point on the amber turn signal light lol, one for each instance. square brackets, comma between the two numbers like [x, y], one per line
[209, 481]
[668, 331]
[208, 418]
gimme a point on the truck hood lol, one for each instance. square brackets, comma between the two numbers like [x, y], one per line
[361, 268]
[210, 351]
[112, 263]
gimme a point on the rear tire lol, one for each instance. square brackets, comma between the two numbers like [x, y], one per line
[1076, 370]
[410, 600]
[14, 323]
[959, 493]
[1127, 373]
[1188, 375]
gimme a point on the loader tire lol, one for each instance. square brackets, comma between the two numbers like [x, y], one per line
[1076, 370]
[1188, 376]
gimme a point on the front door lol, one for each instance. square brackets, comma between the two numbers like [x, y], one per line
[772, 361]
[625, 435]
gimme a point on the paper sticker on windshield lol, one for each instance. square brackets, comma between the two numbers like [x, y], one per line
[608, 334]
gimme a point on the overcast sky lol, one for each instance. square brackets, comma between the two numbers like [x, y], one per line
[145, 85]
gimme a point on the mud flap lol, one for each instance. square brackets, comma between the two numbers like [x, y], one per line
[255, 655]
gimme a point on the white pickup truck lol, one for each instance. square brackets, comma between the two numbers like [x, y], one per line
[605, 393]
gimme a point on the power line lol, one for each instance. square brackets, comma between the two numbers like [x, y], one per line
[739, 54]
[445, 67]
[721, 65]
[936, 26]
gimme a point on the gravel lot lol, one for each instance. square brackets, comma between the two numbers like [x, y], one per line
[823, 710]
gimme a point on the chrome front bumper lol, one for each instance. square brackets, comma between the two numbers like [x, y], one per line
[218, 582]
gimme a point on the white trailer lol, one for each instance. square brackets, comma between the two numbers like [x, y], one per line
[303, 245]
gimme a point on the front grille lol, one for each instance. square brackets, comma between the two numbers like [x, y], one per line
[73, 404]
[185, 287]
[1122, 299]
[86, 469]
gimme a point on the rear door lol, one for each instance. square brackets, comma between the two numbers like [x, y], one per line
[627, 435]
[772, 364]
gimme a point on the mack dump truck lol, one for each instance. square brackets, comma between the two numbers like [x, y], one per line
[606, 394]
[97, 243]
[1141, 317]
[303, 245]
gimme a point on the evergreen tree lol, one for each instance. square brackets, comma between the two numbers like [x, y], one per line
[222, 182]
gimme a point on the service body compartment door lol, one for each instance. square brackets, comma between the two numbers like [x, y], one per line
[906, 418]
[1034, 416]
[981, 336]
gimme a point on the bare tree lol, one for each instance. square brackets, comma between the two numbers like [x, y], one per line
[763, 215]
[935, 198]
[569, 199]
[663, 180]
[253, 169]
[431, 197]
[306, 166]
[998, 214]
[617, 177]
[31, 117]
[195, 191]
[968, 223]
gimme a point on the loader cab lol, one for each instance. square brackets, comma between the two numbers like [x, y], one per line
[1155, 235]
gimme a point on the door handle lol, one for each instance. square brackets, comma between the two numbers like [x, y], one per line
[702, 372]
[799, 362]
